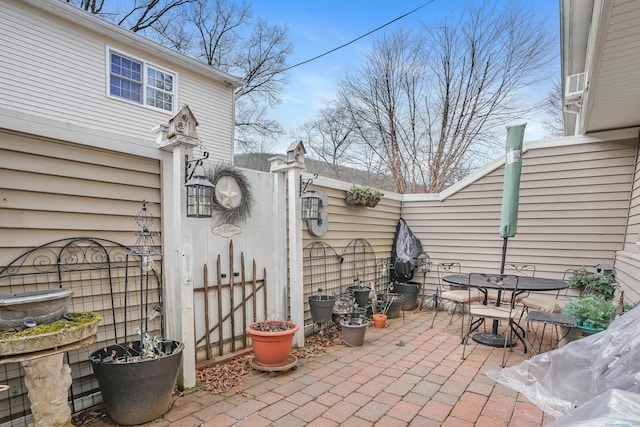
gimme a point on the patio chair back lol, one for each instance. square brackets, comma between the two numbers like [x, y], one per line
[446, 269]
[506, 313]
[521, 269]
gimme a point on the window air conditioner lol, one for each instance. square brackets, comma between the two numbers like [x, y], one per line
[574, 87]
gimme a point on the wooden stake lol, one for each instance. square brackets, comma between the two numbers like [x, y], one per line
[244, 301]
[219, 283]
[207, 337]
[231, 292]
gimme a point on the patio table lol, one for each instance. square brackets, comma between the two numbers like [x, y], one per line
[525, 284]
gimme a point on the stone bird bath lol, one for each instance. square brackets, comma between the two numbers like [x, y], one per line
[36, 331]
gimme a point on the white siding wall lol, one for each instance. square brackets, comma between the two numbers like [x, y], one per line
[55, 69]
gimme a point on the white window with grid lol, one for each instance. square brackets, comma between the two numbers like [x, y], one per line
[139, 82]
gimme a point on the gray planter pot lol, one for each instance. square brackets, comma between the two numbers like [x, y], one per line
[321, 307]
[353, 330]
[136, 392]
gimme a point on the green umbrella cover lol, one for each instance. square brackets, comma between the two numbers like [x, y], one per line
[511, 191]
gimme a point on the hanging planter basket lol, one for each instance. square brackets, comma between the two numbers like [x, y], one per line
[363, 196]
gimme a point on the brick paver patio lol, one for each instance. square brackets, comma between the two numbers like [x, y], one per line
[421, 383]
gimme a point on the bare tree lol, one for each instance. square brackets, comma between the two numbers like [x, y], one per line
[422, 101]
[138, 15]
[225, 36]
[383, 100]
[553, 124]
[330, 136]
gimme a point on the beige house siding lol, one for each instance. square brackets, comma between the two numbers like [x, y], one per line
[52, 190]
[39, 79]
[346, 224]
[627, 263]
[376, 225]
[573, 209]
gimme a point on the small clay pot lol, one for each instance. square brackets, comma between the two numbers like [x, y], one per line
[379, 320]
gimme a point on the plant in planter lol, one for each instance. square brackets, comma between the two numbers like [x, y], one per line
[137, 380]
[137, 376]
[363, 196]
[590, 311]
[271, 340]
[595, 284]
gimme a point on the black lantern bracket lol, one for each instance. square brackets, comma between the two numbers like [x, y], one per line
[191, 165]
[304, 183]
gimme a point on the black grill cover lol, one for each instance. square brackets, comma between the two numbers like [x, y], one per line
[404, 254]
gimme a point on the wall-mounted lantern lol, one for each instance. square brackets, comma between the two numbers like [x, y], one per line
[312, 201]
[199, 190]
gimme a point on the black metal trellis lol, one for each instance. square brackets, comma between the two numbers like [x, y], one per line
[321, 265]
[96, 270]
[325, 269]
[359, 263]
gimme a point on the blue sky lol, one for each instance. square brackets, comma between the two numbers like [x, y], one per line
[318, 26]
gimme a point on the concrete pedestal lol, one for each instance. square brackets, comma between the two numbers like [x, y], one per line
[48, 379]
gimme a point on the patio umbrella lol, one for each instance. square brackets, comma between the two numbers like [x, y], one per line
[511, 191]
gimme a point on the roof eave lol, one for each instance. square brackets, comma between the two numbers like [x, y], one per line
[79, 17]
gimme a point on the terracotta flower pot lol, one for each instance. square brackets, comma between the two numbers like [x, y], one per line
[272, 341]
[379, 320]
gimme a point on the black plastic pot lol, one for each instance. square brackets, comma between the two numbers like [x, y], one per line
[394, 308]
[410, 291]
[140, 391]
[321, 307]
[361, 294]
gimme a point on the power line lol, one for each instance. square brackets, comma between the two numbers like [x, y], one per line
[358, 38]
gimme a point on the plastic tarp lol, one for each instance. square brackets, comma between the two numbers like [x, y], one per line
[562, 380]
[612, 408]
[404, 253]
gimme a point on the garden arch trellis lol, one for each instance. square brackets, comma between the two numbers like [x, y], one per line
[324, 268]
[105, 278]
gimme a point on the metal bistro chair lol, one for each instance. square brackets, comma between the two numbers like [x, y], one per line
[528, 270]
[548, 303]
[460, 298]
[546, 310]
[479, 312]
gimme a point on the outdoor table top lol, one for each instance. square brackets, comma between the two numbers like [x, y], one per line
[525, 283]
[488, 281]
[559, 319]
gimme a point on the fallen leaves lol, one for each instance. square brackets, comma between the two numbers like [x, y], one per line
[225, 376]
[228, 375]
[318, 343]
[88, 418]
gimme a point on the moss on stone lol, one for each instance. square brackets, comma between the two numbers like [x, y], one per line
[79, 320]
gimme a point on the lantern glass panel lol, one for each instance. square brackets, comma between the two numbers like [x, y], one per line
[199, 198]
[310, 206]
